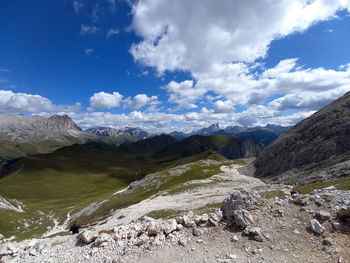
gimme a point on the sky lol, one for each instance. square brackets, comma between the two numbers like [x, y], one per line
[173, 65]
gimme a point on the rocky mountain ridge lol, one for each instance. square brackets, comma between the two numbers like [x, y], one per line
[111, 132]
[32, 129]
[321, 140]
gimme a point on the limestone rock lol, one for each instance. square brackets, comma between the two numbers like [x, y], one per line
[102, 238]
[316, 227]
[154, 228]
[88, 236]
[314, 141]
[322, 216]
[170, 226]
[242, 218]
[245, 199]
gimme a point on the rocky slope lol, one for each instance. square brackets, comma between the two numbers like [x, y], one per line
[321, 140]
[22, 134]
[111, 132]
[247, 228]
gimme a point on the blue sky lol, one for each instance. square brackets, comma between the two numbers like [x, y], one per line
[173, 65]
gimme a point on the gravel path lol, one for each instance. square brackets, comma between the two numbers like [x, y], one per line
[219, 186]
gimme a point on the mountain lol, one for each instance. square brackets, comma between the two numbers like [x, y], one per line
[22, 134]
[111, 132]
[263, 136]
[178, 135]
[321, 140]
[228, 146]
[207, 131]
[103, 131]
[148, 146]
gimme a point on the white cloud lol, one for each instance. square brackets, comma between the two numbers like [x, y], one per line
[11, 102]
[223, 106]
[4, 70]
[140, 101]
[183, 94]
[77, 5]
[103, 100]
[111, 32]
[88, 51]
[88, 30]
[193, 35]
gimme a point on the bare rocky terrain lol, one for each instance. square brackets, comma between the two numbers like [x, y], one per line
[256, 223]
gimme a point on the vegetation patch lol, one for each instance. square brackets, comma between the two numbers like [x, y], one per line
[272, 194]
[344, 216]
[340, 184]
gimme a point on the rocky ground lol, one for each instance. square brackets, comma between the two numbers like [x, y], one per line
[248, 228]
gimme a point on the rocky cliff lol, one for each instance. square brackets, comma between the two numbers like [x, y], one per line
[320, 140]
[31, 129]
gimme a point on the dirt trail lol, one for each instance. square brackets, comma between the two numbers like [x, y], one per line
[219, 186]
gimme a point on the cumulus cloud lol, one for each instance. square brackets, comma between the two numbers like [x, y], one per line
[223, 106]
[140, 101]
[11, 102]
[103, 100]
[88, 30]
[225, 32]
[184, 94]
[229, 38]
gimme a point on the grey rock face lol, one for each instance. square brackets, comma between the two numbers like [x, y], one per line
[243, 218]
[244, 149]
[111, 132]
[315, 141]
[316, 227]
[240, 199]
[33, 129]
[88, 236]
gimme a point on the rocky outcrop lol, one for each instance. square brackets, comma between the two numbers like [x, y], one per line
[34, 129]
[111, 132]
[319, 140]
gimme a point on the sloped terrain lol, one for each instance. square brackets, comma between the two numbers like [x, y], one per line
[318, 141]
[85, 176]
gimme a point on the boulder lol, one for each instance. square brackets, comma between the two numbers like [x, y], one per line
[215, 218]
[141, 240]
[242, 218]
[197, 232]
[88, 236]
[323, 216]
[102, 238]
[240, 199]
[170, 226]
[154, 228]
[316, 227]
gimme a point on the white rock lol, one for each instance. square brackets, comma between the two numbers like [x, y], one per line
[316, 227]
[234, 238]
[250, 230]
[322, 216]
[183, 242]
[88, 236]
[102, 238]
[154, 228]
[2, 237]
[170, 226]
[242, 218]
[240, 199]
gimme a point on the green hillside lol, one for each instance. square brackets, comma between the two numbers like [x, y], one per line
[198, 143]
[69, 179]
